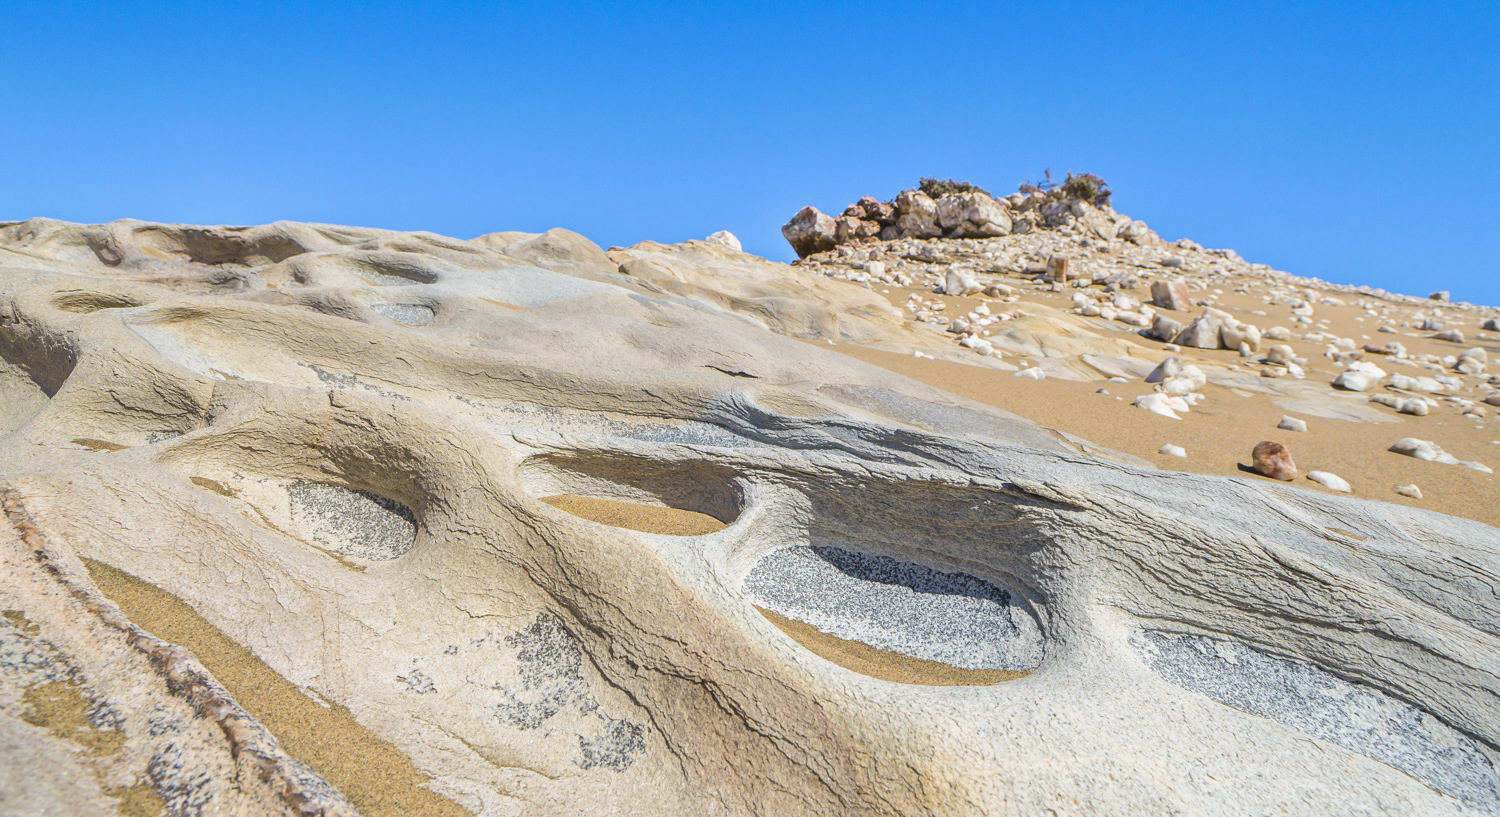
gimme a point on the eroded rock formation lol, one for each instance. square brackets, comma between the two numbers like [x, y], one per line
[375, 459]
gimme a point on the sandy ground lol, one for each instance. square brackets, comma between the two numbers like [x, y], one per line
[884, 664]
[374, 775]
[1220, 432]
[634, 516]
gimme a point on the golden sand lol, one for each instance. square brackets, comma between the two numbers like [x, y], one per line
[884, 664]
[373, 774]
[634, 516]
[1220, 432]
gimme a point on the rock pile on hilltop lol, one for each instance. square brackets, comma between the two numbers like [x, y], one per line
[960, 210]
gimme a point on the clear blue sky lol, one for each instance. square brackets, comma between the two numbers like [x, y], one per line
[1358, 142]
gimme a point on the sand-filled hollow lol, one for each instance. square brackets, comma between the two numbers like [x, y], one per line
[884, 664]
[374, 775]
[709, 492]
[636, 516]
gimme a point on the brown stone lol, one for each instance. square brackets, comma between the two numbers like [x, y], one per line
[810, 231]
[1272, 459]
[878, 211]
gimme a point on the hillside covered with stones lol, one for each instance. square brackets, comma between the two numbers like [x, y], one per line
[1042, 279]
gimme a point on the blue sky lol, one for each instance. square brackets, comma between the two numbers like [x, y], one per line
[1358, 142]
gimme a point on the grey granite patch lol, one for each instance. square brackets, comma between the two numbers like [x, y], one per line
[899, 606]
[405, 314]
[550, 665]
[1306, 698]
[615, 747]
[355, 523]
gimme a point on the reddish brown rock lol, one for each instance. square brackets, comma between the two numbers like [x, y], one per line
[1273, 460]
[878, 211]
[846, 229]
[809, 232]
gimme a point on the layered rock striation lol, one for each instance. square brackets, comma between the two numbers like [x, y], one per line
[573, 532]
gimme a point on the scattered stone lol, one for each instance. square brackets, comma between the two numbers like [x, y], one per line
[1171, 367]
[1415, 406]
[1422, 384]
[724, 238]
[1280, 353]
[1032, 373]
[1164, 327]
[1236, 335]
[1493, 398]
[1409, 490]
[1450, 335]
[961, 283]
[1493, 325]
[1203, 333]
[1431, 452]
[1277, 333]
[1439, 296]
[1359, 377]
[1156, 403]
[1173, 450]
[1171, 295]
[1057, 269]
[1355, 380]
[1291, 424]
[1329, 481]
[1272, 459]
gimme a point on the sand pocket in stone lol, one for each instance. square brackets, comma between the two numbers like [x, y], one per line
[898, 606]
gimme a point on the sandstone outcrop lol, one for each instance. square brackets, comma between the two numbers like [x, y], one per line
[575, 532]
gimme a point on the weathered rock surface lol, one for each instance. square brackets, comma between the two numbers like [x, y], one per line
[358, 500]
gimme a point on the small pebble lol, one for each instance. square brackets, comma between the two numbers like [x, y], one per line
[1156, 403]
[1032, 374]
[1291, 424]
[1272, 459]
[1409, 490]
[1329, 481]
[1173, 450]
